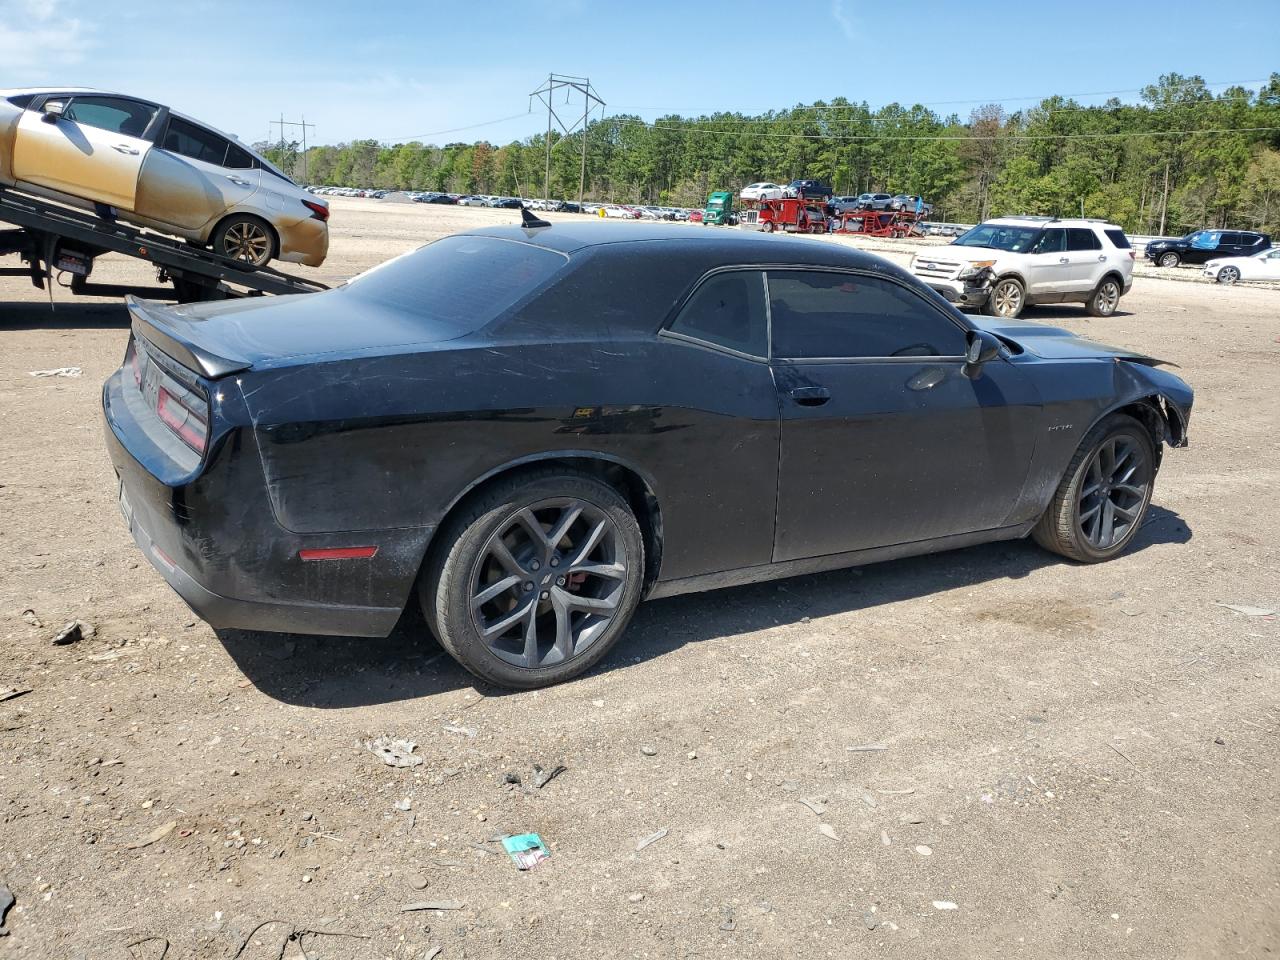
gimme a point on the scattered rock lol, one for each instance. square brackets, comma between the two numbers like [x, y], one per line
[944, 905]
[923, 850]
[911, 818]
[868, 799]
[651, 838]
[870, 920]
[813, 804]
[512, 778]
[73, 632]
[635, 898]
[827, 831]
[57, 372]
[418, 881]
[394, 753]
[432, 953]
[867, 748]
[884, 838]
[468, 732]
[692, 754]
[597, 703]
[29, 616]
[649, 751]
[1218, 740]
[728, 924]
[404, 805]
[306, 878]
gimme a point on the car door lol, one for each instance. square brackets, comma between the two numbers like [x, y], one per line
[194, 176]
[1047, 268]
[1263, 266]
[884, 440]
[1204, 247]
[1085, 260]
[93, 151]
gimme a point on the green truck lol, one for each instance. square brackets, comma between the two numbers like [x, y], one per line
[719, 209]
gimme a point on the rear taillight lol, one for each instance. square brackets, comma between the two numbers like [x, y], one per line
[177, 414]
[319, 211]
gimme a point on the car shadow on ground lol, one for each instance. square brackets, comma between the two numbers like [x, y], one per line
[343, 672]
[37, 315]
[1055, 314]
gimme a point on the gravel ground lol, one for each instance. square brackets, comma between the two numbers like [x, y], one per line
[1077, 761]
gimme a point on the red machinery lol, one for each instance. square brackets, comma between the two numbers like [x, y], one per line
[791, 214]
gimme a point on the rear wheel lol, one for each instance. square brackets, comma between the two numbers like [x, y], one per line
[245, 238]
[1229, 275]
[1105, 298]
[1007, 299]
[1169, 259]
[1100, 502]
[537, 579]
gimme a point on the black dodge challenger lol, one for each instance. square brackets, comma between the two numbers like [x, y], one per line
[533, 429]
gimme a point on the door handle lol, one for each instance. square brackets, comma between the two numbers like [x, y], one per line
[1064, 259]
[238, 181]
[125, 148]
[809, 396]
[1102, 258]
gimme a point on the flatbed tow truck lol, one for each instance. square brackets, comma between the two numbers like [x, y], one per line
[53, 241]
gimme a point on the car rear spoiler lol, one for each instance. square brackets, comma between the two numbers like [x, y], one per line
[172, 333]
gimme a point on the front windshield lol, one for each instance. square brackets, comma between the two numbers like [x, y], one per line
[715, 204]
[997, 236]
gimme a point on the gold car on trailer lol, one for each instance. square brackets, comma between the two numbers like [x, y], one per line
[146, 164]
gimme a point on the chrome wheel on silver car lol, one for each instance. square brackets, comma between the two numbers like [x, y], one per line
[246, 239]
[1105, 299]
[1006, 298]
[1229, 275]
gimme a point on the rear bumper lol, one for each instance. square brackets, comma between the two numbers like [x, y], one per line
[215, 540]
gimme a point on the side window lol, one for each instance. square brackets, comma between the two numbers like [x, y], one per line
[113, 114]
[1230, 239]
[1052, 241]
[239, 159]
[1118, 239]
[196, 142]
[1206, 240]
[728, 309]
[1082, 238]
[854, 315]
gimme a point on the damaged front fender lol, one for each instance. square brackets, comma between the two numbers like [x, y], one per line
[1168, 395]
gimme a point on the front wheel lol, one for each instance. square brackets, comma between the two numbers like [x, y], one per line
[1105, 298]
[1007, 299]
[1098, 506]
[1229, 275]
[537, 580]
[1169, 260]
[245, 238]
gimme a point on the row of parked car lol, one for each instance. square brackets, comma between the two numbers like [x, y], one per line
[817, 190]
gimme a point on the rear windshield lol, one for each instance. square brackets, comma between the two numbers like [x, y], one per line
[1118, 239]
[462, 282]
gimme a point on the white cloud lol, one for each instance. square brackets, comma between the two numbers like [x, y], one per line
[37, 34]
[843, 19]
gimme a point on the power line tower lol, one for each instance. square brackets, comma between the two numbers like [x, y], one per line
[282, 123]
[590, 99]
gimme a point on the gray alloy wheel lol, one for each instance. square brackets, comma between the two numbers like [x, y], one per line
[535, 577]
[1100, 503]
[1007, 299]
[1105, 298]
[1229, 275]
[548, 582]
[1170, 259]
[246, 239]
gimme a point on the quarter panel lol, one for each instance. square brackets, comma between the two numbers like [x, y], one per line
[391, 441]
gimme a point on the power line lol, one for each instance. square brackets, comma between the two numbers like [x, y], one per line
[474, 126]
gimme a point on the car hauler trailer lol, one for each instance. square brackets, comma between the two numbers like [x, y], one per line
[53, 240]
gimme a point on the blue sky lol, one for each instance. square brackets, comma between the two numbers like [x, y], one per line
[393, 70]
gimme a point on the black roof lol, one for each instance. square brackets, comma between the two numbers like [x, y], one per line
[669, 239]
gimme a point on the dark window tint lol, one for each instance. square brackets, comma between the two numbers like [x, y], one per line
[1251, 239]
[1052, 241]
[849, 315]
[460, 283]
[1082, 238]
[114, 114]
[727, 309]
[1230, 239]
[23, 100]
[1118, 239]
[239, 159]
[195, 142]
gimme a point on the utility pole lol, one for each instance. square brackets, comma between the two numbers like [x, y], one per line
[590, 99]
[282, 122]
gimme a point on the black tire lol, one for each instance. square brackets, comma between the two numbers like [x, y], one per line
[1007, 300]
[1061, 528]
[768, 226]
[1169, 259]
[1105, 298]
[246, 238]
[464, 547]
[1229, 275]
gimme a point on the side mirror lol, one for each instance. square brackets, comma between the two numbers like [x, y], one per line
[983, 347]
[52, 111]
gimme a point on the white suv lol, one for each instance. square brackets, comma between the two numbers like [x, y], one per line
[1004, 264]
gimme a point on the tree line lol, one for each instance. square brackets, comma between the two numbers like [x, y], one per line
[1181, 158]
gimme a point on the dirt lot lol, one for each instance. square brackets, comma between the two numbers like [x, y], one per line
[1083, 760]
